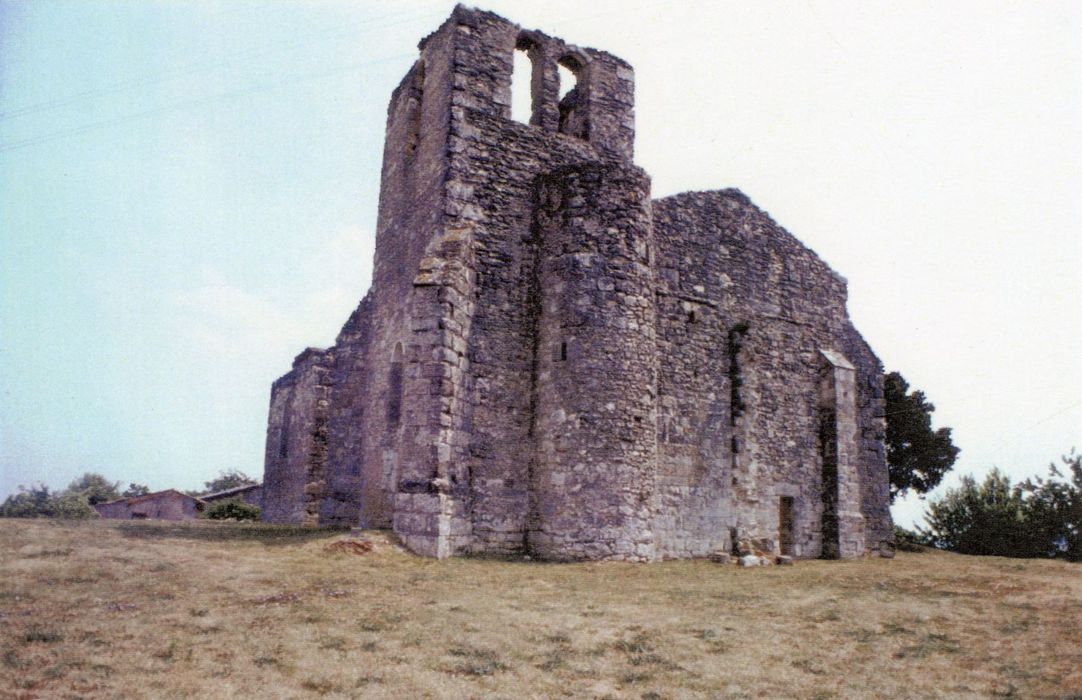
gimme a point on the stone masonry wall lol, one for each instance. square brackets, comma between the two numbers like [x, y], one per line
[594, 423]
[295, 462]
[752, 285]
[549, 362]
[495, 163]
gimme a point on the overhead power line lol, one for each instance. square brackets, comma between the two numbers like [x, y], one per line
[238, 57]
[187, 104]
[219, 62]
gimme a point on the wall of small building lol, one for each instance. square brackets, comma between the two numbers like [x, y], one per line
[166, 506]
[114, 510]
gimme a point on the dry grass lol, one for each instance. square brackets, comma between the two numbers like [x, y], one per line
[106, 609]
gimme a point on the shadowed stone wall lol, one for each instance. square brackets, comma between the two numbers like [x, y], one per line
[547, 361]
[295, 459]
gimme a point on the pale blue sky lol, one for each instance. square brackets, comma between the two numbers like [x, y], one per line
[188, 194]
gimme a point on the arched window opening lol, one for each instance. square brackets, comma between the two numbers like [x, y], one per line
[573, 117]
[394, 389]
[522, 79]
[568, 79]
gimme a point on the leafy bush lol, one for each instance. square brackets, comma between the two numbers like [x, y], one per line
[231, 510]
[33, 502]
[1054, 508]
[95, 488]
[908, 541]
[986, 518]
[74, 506]
[135, 490]
[1036, 518]
[38, 502]
[228, 480]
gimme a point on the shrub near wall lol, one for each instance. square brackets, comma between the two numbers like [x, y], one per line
[231, 510]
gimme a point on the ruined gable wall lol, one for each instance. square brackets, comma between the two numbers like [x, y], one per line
[370, 446]
[293, 476]
[345, 420]
[719, 248]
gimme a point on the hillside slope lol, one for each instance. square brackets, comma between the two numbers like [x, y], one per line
[150, 609]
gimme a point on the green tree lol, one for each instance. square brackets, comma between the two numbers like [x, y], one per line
[72, 505]
[917, 457]
[989, 518]
[1054, 508]
[96, 488]
[134, 490]
[38, 502]
[228, 480]
[33, 502]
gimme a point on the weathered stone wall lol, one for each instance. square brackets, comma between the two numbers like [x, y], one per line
[594, 421]
[162, 505]
[165, 505]
[491, 191]
[549, 362]
[743, 297]
[345, 485]
[294, 472]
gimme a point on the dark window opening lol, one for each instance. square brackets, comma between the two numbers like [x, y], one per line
[563, 352]
[737, 335]
[283, 443]
[785, 525]
[692, 318]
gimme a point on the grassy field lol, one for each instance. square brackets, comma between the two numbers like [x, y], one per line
[148, 609]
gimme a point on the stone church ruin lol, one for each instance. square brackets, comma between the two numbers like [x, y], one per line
[550, 362]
